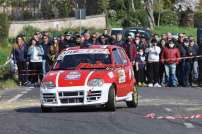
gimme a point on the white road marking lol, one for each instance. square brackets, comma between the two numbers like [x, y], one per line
[15, 98]
[189, 125]
[24, 92]
[168, 109]
[29, 89]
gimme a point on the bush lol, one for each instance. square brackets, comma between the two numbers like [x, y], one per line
[198, 19]
[169, 18]
[29, 31]
[4, 27]
[137, 18]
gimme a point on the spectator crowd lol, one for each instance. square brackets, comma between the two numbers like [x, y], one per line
[160, 61]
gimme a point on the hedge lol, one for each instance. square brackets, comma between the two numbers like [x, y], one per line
[4, 27]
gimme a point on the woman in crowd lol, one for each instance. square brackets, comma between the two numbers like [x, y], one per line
[153, 53]
[54, 51]
[20, 58]
[35, 54]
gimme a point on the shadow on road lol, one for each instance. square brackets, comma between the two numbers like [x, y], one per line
[63, 110]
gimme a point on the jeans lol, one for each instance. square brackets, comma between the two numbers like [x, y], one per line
[195, 70]
[171, 79]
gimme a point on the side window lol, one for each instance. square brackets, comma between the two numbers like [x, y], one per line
[123, 56]
[117, 57]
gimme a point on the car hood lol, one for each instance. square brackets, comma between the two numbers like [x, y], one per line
[76, 77]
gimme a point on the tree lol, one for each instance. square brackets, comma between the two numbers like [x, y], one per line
[158, 7]
[186, 9]
[149, 5]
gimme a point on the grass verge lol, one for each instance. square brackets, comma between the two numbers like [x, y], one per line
[190, 31]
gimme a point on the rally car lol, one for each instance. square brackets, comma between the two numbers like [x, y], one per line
[97, 75]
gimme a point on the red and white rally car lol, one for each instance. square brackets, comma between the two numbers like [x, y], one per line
[98, 75]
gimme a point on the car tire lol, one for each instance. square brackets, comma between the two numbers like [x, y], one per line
[134, 102]
[111, 104]
[45, 109]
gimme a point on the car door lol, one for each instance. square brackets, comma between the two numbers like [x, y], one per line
[121, 71]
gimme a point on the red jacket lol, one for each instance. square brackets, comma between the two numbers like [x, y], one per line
[131, 51]
[170, 55]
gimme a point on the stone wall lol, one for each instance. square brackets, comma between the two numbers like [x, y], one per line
[97, 21]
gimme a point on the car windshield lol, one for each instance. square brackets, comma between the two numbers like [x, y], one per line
[146, 33]
[72, 61]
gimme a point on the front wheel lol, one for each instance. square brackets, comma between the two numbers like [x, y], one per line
[134, 102]
[111, 104]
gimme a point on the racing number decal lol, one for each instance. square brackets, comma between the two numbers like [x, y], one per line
[122, 76]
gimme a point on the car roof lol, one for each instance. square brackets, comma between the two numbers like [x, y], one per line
[109, 47]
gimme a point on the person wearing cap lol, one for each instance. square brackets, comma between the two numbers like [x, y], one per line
[106, 34]
[68, 40]
[153, 53]
[170, 58]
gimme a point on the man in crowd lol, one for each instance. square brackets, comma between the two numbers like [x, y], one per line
[170, 58]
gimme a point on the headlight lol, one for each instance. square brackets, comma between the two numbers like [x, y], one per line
[96, 82]
[48, 85]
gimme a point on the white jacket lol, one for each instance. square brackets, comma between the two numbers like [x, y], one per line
[153, 53]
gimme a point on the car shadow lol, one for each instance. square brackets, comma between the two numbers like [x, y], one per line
[64, 110]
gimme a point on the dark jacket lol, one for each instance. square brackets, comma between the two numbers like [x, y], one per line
[20, 53]
[192, 51]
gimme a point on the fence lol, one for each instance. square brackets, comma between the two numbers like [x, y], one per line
[97, 21]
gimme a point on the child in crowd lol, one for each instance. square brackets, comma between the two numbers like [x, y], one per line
[140, 68]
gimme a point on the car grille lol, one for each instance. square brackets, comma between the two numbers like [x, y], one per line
[49, 98]
[93, 96]
[71, 97]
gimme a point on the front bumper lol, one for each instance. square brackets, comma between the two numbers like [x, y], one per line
[74, 96]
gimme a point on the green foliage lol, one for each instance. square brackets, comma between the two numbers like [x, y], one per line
[198, 19]
[103, 5]
[164, 29]
[8, 84]
[169, 18]
[118, 5]
[136, 18]
[167, 4]
[3, 57]
[29, 31]
[4, 27]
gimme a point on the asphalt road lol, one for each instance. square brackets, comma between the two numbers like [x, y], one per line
[20, 114]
